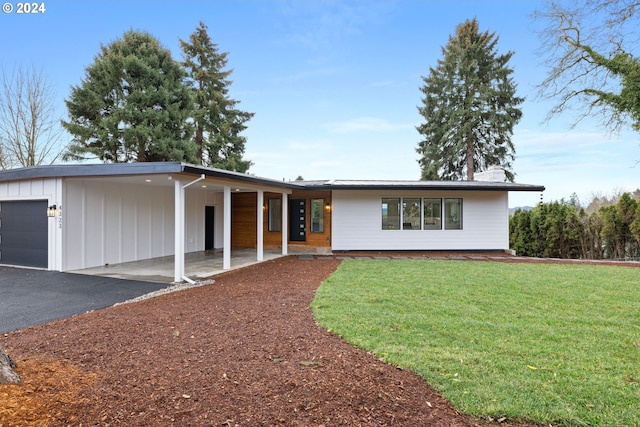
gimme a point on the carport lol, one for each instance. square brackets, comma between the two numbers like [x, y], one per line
[94, 216]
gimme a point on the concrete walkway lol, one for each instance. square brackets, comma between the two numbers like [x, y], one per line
[198, 265]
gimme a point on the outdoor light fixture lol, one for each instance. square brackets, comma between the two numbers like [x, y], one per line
[327, 206]
[52, 211]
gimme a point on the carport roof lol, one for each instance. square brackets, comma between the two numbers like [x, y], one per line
[129, 169]
[147, 168]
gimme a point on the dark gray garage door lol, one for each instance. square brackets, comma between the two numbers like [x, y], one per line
[24, 233]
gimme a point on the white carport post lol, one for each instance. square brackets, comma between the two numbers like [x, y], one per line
[178, 263]
[178, 270]
[285, 223]
[226, 248]
[260, 227]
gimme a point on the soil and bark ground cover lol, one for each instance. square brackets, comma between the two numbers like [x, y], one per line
[244, 351]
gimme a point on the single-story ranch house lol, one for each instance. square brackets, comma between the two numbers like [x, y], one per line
[70, 217]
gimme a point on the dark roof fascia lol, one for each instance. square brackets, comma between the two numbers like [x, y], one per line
[140, 168]
[147, 168]
[89, 170]
[428, 185]
[237, 176]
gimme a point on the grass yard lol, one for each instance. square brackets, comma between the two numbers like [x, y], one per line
[546, 343]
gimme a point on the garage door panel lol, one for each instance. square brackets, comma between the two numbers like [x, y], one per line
[24, 233]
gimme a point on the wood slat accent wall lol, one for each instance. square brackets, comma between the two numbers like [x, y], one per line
[243, 220]
[316, 239]
[244, 214]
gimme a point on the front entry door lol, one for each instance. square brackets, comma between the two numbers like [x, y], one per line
[297, 220]
[209, 227]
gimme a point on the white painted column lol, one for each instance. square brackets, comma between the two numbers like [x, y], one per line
[226, 245]
[178, 263]
[260, 227]
[285, 223]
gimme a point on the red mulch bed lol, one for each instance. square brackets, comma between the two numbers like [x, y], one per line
[244, 351]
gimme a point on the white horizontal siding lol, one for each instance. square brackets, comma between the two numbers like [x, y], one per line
[357, 222]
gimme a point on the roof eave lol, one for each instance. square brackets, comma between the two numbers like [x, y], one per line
[430, 187]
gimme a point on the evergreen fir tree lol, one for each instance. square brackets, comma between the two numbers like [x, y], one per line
[132, 105]
[218, 123]
[469, 107]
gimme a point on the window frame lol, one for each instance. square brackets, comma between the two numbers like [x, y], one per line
[446, 219]
[320, 211]
[429, 201]
[386, 223]
[407, 203]
[449, 219]
[274, 223]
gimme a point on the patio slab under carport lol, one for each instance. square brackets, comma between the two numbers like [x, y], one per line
[198, 265]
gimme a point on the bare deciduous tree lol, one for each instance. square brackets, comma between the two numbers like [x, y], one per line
[30, 130]
[588, 48]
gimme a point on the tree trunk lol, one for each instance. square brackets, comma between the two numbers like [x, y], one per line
[7, 366]
[470, 146]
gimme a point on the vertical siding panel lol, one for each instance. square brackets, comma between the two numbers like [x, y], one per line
[93, 218]
[113, 219]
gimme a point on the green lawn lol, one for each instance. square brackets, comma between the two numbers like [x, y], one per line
[553, 343]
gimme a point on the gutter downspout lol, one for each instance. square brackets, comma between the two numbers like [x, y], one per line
[179, 273]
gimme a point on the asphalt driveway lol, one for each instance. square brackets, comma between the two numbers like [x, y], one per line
[31, 297]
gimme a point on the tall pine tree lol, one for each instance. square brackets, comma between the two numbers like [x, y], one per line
[218, 123]
[470, 108]
[132, 105]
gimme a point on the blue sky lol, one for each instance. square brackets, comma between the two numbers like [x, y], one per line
[334, 85]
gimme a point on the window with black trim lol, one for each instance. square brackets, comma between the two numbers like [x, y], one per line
[317, 215]
[411, 213]
[414, 213]
[275, 214]
[391, 213]
[432, 217]
[453, 214]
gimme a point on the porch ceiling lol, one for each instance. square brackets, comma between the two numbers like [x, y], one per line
[168, 180]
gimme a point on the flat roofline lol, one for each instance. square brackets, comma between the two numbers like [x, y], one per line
[422, 185]
[146, 168]
[139, 168]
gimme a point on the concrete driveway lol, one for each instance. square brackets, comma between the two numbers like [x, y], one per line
[31, 297]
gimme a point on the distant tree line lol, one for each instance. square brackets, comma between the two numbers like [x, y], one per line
[564, 229]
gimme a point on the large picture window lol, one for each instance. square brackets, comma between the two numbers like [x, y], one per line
[275, 214]
[391, 213]
[432, 214]
[453, 214]
[411, 214]
[415, 213]
[317, 215]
